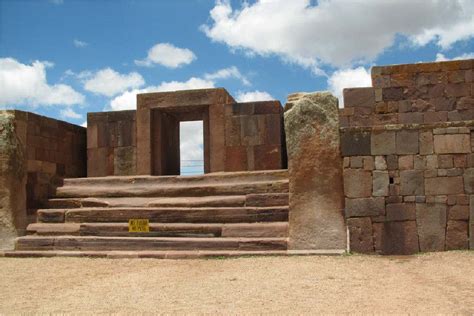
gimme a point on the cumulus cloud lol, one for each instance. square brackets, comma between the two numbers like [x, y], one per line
[191, 140]
[348, 78]
[128, 99]
[226, 73]
[167, 55]
[254, 96]
[337, 32]
[79, 43]
[27, 84]
[108, 82]
[69, 113]
[441, 57]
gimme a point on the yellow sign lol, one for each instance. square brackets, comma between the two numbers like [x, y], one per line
[138, 226]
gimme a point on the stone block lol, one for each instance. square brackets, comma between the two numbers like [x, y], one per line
[411, 182]
[445, 161]
[399, 238]
[469, 180]
[444, 185]
[457, 235]
[355, 143]
[267, 157]
[407, 142]
[359, 97]
[458, 89]
[459, 213]
[316, 220]
[236, 158]
[426, 143]
[471, 222]
[357, 183]
[380, 183]
[431, 225]
[356, 162]
[383, 143]
[401, 212]
[124, 161]
[360, 235]
[380, 163]
[392, 162]
[405, 162]
[365, 207]
[392, 94]
[232, 131]
[273, 124]
[452, 144]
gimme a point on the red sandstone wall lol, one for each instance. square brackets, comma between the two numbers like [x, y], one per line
[253, 136]
[111, 143]
[408, 148]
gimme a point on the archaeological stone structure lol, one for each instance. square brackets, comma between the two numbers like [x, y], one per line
[392, 172]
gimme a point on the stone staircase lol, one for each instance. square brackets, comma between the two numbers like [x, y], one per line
[220, 214]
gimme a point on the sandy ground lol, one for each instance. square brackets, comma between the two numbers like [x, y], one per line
[429, 283]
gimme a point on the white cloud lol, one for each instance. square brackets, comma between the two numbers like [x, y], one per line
[84, 124]
[79, 43]
[69, 113]
[191, 140]
[337, 32]
[254, 96]
[167, 55]
[225, 73]
[128, 99]
[348, 78]
[108, 82]
[441, 57]
[27, 84]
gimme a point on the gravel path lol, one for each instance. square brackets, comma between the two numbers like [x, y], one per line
[429, 283]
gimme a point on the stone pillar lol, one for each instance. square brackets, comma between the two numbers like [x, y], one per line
[316, 217]
[13, 218]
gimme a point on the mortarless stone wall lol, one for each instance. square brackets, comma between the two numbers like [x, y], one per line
[36, 152]
[408, 148]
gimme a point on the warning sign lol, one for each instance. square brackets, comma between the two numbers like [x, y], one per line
[138, 226]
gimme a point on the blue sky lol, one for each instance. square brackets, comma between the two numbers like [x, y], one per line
[64, 58]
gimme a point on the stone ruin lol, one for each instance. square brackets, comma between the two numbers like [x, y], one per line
[390, 173]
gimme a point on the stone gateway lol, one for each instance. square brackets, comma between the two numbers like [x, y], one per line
[391, 173]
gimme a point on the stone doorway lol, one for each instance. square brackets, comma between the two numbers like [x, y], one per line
[165, 141]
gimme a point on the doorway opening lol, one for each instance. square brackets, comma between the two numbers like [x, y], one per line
[191, 146]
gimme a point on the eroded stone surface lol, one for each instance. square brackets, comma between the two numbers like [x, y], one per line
[360, 232]
[315, 171]
[431, 224]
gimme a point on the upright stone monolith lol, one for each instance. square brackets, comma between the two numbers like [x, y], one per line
[315, 170]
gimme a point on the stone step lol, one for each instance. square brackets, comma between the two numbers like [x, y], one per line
[138, 189]
[184, 254]
[166, 214]
[88, 243]
[265, 199]
[210, 178]
[271, 229]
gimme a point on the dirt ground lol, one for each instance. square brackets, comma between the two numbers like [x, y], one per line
[428, 283]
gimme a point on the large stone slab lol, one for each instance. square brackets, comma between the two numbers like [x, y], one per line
[316, 216]
[444, 185]
[360, 235]
[365, 207]
[399, 238]
[357, 183]
[457, 235]
[431, 224]
[452, 144]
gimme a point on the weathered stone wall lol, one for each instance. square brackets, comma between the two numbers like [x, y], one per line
[36, 152]
[237, 136]
[408, 146]
[253, 136]
[111, 143]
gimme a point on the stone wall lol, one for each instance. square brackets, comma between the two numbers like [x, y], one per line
[237, 136]
[408, 146]
[111, 143]
[36, 152]
[253, 136]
